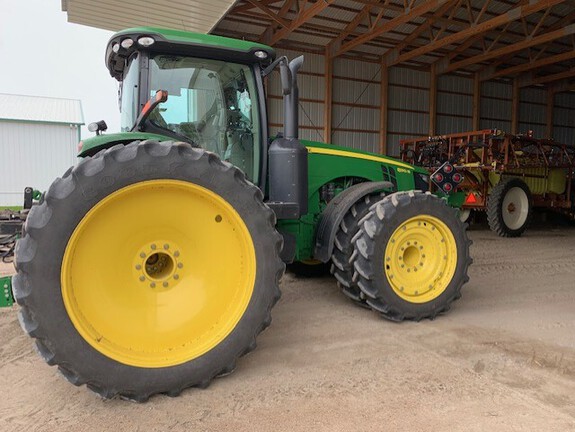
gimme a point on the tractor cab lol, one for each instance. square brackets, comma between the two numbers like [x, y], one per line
[214, 92]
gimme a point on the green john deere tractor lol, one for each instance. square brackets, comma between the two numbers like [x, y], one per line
[152, 265]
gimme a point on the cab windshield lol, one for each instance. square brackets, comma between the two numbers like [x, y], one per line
[211, 104]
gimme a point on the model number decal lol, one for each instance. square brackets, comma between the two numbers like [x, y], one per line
[403, 170]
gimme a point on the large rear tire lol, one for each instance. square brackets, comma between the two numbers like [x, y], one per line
[509, 208]
[412, 256]
[147, 269]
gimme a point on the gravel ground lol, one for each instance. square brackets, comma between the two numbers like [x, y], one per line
[503, 359]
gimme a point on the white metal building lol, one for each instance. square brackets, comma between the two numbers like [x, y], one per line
[38, 142]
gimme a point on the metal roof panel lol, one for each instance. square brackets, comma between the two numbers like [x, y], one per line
[40, 109]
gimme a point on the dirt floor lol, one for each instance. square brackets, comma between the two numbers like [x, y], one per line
[503, 359]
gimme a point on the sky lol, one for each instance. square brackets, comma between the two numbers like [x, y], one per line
[41, 54]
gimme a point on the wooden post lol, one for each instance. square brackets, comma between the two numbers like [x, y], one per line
[515, 107]
[432, 99]
[327, 104]
[476, 102]
[383, 108]
[549, 112]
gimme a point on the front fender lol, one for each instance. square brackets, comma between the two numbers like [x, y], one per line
[93, 145]
[336, 210]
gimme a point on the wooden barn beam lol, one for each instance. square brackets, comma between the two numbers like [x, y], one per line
[477, 29]
[509, 49]
[514, 70]
[335, 44]
[274, 16]
[566, 20]
[271, 36]
[390, 57]
[407, 15]
[530, 81]
[250, 5]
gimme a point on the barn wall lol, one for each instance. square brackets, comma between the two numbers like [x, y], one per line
[564, 118]
[454, 104]
[533, 112]
[356, 105]
[408, 103]
[496, 105]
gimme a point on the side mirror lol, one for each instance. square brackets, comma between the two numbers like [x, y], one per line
[161, 96]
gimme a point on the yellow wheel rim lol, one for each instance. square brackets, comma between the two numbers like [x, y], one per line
[158, 273]
[420, 259]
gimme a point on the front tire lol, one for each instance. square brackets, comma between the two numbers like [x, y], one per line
[342, 265]
[412, 256]
[147, 269]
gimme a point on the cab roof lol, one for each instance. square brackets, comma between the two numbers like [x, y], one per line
[182, 42]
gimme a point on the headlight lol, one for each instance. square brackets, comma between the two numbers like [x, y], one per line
[127, 43]
[146, 41]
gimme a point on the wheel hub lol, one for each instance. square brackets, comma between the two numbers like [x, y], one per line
[515, 208]
[159, 264]
[420, 259]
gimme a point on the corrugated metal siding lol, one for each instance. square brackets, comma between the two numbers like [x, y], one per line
[356, 69]
[533, 111]
[33, 155]
[357, 140]
[565, 100]
[311, 87]
[408, 114]
[356, 83]
[496, 106]
[454, 104]
[564, 118]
